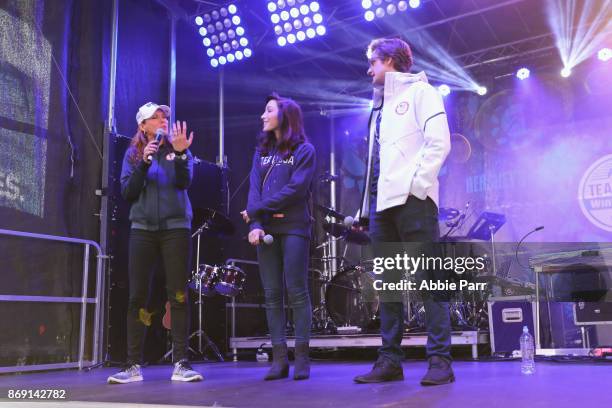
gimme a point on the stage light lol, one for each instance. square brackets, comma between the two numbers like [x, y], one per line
[377, 8]
[444, 90]
[566, 72]
[271, 7]
[223, 36]
[295, 19]
[248, 52]
[579, 28]
[522, 73]
[481, 90]
[604, 54]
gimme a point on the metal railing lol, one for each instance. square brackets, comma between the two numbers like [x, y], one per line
[83, 300]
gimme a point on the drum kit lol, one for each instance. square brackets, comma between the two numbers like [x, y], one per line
[348, 302]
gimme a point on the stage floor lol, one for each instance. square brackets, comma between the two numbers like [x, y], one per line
[479, 384]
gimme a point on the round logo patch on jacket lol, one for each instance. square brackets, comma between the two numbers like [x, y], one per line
[401, 108]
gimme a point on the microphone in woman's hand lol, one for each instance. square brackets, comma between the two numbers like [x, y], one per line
[159, 133]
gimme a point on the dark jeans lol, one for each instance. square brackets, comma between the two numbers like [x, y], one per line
[174, 245]
[286, 257]
[416, 221]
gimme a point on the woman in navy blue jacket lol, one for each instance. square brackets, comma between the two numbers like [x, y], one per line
[278, 205]
[155, 176]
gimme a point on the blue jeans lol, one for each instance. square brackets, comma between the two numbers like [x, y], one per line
[415, 221]
[286, 259]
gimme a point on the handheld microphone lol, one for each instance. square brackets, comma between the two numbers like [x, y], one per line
[266, 239]
[159, 133]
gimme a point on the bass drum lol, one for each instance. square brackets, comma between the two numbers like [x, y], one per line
[350, 297]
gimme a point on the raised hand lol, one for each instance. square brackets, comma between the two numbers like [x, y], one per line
[178, 137]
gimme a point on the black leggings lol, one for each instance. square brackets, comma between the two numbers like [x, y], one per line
[174, 245]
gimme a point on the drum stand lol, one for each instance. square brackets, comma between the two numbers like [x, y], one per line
[200, 332]
[320, 312]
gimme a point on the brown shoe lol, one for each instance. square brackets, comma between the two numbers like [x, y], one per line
[439, 372]
[384, 370]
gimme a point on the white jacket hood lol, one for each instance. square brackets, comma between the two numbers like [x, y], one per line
[395, 81]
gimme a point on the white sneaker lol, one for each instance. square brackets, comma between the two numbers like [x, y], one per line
[127, 375]
[183, 372]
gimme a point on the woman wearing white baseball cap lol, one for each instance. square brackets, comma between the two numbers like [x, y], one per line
[157, 170]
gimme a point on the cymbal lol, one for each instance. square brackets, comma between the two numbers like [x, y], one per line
[447, 213]
[331, 212]
[351, 235]
[216, 221]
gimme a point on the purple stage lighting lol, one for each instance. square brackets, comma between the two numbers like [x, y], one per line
[566, 72]
[604, 54]
[223, 36]
[522, 73]
[379, 8]
[295, 20]
[444, 90]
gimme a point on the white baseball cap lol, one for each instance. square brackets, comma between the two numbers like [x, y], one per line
[148, 109]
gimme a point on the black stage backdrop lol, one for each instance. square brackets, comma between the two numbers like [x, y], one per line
[50, 166]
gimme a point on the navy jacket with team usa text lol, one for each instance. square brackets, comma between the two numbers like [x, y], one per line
[280, 191]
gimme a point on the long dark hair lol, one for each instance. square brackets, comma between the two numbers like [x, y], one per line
[291, 123]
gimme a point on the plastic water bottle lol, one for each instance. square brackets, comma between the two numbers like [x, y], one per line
[527, 352]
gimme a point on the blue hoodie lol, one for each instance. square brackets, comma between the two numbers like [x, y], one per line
[158, 190]
[280, 190]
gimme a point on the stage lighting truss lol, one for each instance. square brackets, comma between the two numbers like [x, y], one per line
[380, 8]
[295, 20]
[223, 36]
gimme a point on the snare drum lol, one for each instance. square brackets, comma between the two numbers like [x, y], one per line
[206, 276]
[231, 280]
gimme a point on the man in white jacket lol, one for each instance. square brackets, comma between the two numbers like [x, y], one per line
[409, 140]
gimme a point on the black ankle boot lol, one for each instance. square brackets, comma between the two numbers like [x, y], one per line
[301, 370]
[280, 363]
